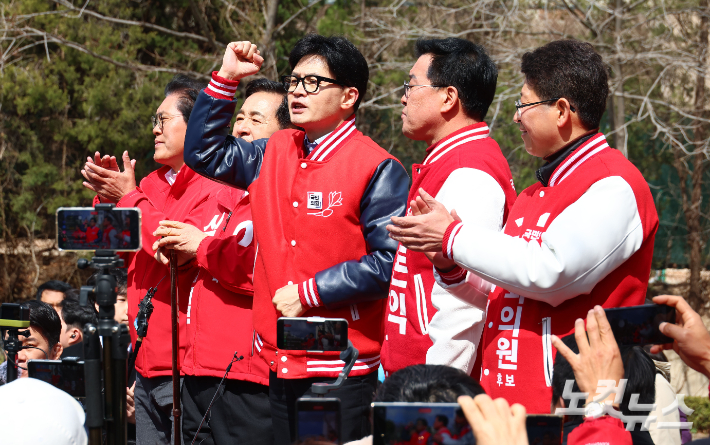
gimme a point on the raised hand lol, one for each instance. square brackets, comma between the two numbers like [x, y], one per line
[494, 422]
[241, 59]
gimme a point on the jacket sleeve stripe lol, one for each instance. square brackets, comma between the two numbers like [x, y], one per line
[447, 244]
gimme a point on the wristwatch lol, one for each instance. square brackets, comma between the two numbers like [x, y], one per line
[594, 410]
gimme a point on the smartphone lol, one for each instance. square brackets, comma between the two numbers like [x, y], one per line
[318, 421]
[638, 325]
[418, 423]
[315, 334]
[544, 429]
[63, 374]
[85, 228]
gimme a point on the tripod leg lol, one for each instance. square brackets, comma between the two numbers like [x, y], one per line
[174, 316]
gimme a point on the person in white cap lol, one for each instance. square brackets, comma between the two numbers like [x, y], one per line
[62, 417]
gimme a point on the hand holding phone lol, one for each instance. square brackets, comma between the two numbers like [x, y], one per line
[314, 334]
[639, 325]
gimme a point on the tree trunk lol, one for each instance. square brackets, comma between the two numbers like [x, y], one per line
[692, 170]
[619, 104]
[267, 42]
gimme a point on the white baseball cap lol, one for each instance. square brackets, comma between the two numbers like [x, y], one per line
[35, 412]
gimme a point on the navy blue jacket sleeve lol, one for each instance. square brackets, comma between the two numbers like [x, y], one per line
[368, 278]
[212, 152]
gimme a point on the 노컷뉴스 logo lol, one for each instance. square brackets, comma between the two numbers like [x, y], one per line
[606, 387]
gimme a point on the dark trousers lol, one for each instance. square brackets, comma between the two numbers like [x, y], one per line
[154, 406]
[239, 415]
[355, 396]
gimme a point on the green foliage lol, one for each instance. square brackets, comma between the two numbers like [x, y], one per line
[701, 416]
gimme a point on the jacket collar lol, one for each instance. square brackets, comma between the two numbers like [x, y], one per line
[459, 137]
[567, 159]
[329, 145]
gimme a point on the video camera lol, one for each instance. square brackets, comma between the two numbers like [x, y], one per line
[14, 321]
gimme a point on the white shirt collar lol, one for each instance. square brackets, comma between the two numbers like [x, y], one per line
[171, 175]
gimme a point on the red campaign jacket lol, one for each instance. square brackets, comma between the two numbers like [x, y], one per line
[424, 323]
[183, 201]
[605, 430]
[543, 264]
[219, 315]
[307, 226]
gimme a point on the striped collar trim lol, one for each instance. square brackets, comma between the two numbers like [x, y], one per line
[590, 148]
[471, 133]
[334, 141]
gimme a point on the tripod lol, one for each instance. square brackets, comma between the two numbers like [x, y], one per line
[12, 346]
[111, 409]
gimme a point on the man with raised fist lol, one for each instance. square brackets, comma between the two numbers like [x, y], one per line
[320, 201]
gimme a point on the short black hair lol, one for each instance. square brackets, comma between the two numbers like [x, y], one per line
[573, 70]
[443, 419]
[188, 90]
[639, 370]
[76, 315]
[263, 85]
[465, 66]
[345, 61]
[55, 285]
[427, 383]
[45, 320]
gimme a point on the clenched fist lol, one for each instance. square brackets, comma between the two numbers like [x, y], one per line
[241, 59]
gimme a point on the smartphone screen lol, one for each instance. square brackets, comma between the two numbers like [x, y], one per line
[312, 334]
[85, 228]
[418, 423]
[638, 325]
[67, 376]
[318, 421]
[544, 429]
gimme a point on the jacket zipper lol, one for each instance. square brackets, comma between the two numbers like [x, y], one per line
[227, 222]
[547, 350]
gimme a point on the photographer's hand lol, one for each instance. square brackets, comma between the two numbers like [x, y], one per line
[110, 184]
[691, 339]
[287, 301]
[241, 59]
[599, 357]
[494, 422]
[131, 404]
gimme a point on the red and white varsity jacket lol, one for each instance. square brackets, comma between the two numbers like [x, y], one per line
[219, 316]
[184, 201]
[320, 218]
[582, 237]
[465, 171]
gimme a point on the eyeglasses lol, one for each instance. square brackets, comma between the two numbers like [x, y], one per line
[310, 83]
[519, 105]
[408, 88]
[159, 119]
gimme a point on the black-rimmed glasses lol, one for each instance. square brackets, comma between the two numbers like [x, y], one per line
[159, 119]
[519, 105]
[408, 88]
[310, 83]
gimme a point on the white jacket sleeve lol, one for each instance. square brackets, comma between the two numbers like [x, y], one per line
[582, 245]
[455, 329]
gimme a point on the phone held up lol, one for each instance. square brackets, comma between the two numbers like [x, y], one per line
[424, 423]
[638, 325]
[318, 421]
[85, 228]
[315, 334]
[67, 375]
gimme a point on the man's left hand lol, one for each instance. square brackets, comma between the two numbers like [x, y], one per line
[110, 184]
[424, 230]
[287, 301]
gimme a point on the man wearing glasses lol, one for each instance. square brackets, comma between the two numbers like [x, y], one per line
[321, 199]
[173, 192]
[450, 88]
[583, 235]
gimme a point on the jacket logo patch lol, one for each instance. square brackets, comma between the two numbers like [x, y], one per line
[335, 199]
[315, 200]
